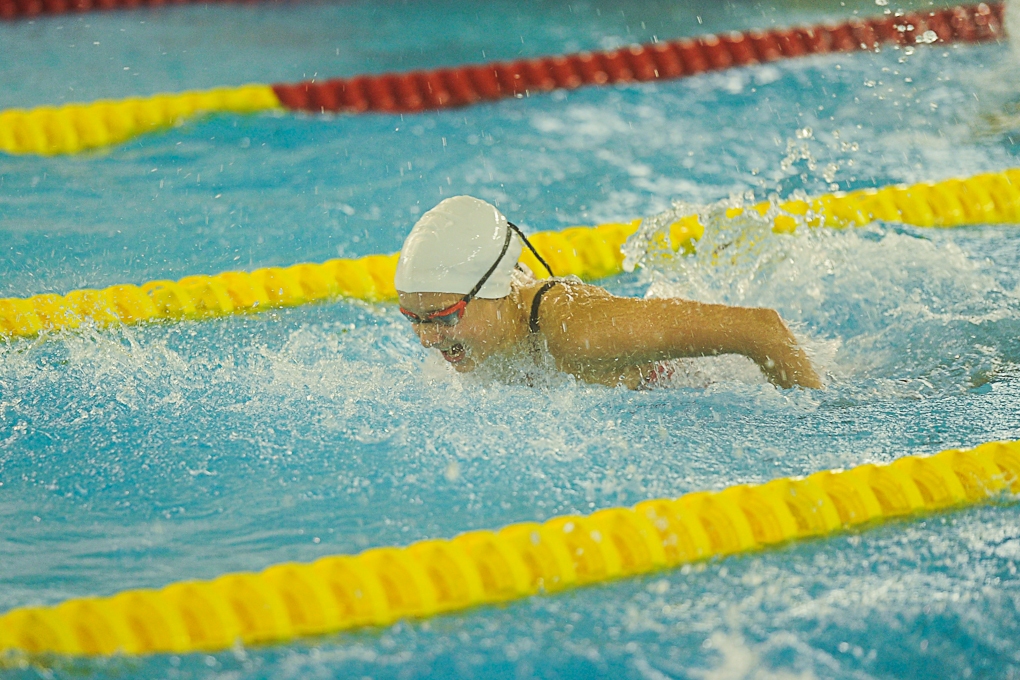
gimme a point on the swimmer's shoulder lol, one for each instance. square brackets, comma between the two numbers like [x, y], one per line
[554, 301]
[560, 290]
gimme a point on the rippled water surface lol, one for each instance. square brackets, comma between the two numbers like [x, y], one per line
[132, 457]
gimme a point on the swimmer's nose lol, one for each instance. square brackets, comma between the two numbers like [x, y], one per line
[428, 334]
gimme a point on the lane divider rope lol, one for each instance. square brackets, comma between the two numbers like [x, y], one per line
[382, 585]
[465, 85]
[27, 9]
[74, 128]
[590, 253]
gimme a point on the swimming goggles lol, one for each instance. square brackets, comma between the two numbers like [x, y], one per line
[451, 316]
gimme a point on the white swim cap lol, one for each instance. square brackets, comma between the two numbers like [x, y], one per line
[452, 247]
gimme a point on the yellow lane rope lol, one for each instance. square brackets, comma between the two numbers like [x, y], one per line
[381, 585]
[588, 252]
[73, 128]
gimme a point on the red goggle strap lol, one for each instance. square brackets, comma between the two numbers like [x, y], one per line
[456, 308]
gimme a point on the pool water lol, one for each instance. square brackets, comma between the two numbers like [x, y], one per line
[133, 457]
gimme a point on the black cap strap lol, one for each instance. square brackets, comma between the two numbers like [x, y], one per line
[530, 247]
[478, 286]
[506, 245]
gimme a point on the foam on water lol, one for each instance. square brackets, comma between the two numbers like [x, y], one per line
[885, 307]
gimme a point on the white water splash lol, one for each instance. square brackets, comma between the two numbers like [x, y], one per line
[883, 302]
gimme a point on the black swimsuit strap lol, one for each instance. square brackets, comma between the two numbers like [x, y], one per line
[533, 321]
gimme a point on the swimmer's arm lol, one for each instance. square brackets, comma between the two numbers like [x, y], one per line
[593, 329]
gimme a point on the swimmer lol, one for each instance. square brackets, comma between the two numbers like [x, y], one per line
[462, 289]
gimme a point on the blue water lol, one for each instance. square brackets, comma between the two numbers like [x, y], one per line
[133, 457]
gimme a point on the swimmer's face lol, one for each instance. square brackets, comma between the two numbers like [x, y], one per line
[474, 338]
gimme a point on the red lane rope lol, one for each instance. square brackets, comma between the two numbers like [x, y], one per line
[26, 9]
[465, 85]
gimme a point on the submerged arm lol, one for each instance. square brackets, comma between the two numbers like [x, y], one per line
[587, 327]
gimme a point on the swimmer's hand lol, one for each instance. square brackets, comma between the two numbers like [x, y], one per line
[776, 352]
[588, 329]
